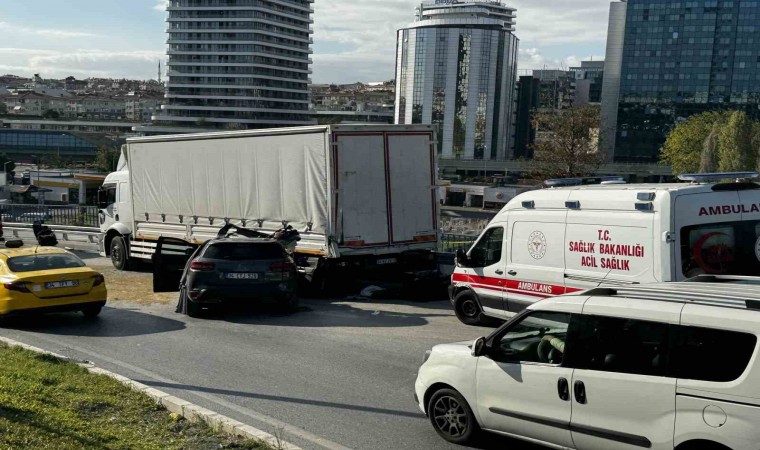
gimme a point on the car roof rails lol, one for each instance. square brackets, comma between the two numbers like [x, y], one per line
[718, 176]
[727, 292]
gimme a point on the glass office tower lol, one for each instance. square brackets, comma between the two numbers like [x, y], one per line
[456, 68]
[678, 58]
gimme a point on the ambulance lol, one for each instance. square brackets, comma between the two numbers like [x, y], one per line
[561, 240]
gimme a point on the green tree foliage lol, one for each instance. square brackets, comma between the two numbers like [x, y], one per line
[567, 143]
[735, 149]
[684, 145]
[51, 114]
[107, 159]
[726, 141]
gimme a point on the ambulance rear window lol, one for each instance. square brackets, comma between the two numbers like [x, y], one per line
[729, 248]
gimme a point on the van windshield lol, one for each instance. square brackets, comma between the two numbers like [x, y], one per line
[728, 248]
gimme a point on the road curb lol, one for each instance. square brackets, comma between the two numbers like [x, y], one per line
[176, 405]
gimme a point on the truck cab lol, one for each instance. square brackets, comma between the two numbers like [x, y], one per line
[115, 217]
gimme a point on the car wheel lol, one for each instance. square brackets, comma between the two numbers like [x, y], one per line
[452, 417]
[119, 256]
[193, 309]
[290, 304]
[91, 312]
[468, 309]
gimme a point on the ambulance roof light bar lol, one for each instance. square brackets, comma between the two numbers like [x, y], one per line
[562, 182]
[717, 176]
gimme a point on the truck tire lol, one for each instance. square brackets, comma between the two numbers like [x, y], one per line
[118, 251]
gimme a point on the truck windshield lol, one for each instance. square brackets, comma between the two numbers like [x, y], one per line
[729, 248]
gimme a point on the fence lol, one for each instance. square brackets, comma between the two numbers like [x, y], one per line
[450, 243]
[73, 215]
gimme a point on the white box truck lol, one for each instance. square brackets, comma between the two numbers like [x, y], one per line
[358, 193]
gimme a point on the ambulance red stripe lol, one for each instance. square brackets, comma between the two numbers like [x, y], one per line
[513, 286]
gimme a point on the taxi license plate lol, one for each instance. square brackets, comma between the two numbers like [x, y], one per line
[61, 284]
[242, 276]
[385, 261]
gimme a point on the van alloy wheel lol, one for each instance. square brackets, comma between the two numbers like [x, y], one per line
[450, 417]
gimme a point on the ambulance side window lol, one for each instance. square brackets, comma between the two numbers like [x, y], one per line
[487, 251]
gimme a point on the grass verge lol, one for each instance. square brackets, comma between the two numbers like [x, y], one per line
[46, 403]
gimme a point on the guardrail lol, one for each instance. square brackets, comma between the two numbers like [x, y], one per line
[450, 243]
[82, 235]
[70, 215]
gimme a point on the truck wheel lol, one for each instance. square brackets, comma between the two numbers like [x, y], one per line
[119, 256]
[468, 309]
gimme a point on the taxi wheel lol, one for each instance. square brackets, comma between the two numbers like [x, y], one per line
[468, 309]
[91, 312]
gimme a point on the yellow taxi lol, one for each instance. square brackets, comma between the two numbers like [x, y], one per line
[48, 279]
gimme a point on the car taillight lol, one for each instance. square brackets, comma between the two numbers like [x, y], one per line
[280, 271]
[17, 286]
[98, 280]
[201, 266]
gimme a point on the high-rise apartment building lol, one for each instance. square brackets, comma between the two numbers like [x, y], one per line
[238, 63]
[456, 68]
[667, 60]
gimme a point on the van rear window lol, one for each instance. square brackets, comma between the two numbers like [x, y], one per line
[730, 248]
[711, 355]
[32, 263]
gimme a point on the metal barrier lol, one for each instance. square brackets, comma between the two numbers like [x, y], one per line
[81, 235]
[71, 215]
[450, 243]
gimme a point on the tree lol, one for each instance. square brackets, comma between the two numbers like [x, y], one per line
[709, 156]
[3, 108]
[736, 152]
[107, 159]
[51, 114]
[685, 143]
[567, 143]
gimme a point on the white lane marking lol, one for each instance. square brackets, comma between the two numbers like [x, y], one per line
[277, 424]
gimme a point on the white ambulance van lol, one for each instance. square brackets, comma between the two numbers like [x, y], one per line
[556, 241]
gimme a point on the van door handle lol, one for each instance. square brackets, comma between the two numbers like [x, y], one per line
[563, 389]
[512, 272]
[117, 217]
[580, 392]
[499, 272]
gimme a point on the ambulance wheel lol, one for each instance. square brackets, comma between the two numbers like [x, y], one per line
[468, 309]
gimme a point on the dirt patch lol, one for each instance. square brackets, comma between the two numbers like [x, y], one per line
[134, 287]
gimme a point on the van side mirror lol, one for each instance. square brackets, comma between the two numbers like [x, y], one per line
[478, 347]
[461, 258]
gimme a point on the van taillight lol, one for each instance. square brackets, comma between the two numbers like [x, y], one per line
[17, 286]
[98, 280]
[201, 266]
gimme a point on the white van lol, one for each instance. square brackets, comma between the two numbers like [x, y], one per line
[562, 240]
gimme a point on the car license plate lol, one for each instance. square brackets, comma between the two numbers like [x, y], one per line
[384, 261]
[242, 276]
[61, 284]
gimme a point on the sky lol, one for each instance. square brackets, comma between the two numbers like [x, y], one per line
[354, 40]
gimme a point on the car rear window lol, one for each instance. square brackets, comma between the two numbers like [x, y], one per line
[239, 252]
[31, 263]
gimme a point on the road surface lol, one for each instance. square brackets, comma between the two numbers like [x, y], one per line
[339, 373]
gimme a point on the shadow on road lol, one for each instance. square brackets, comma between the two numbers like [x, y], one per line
[113, 322]
[277, 398]
[323, 316]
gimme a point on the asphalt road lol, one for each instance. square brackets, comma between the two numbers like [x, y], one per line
[337, 374]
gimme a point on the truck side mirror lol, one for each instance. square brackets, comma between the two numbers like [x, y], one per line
[461, 258]
[102, 198]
